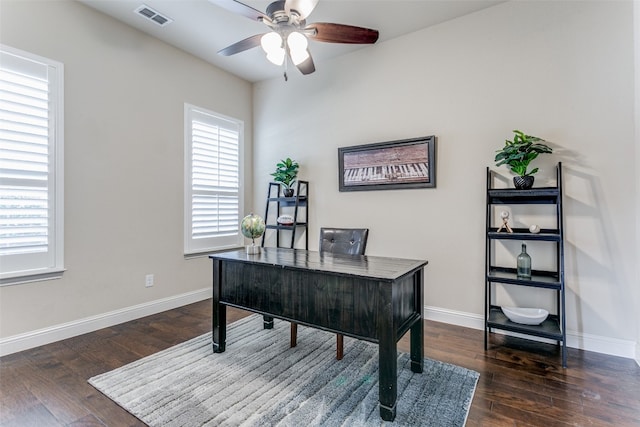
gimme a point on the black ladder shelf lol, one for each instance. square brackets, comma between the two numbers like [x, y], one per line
[554, 327]
[297, 206]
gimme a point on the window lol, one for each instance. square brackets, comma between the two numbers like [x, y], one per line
[31, 167]
[213, 180]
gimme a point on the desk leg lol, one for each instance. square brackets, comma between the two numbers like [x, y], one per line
[267, 322]
[417, 330]
[219, 318]
[388, 358]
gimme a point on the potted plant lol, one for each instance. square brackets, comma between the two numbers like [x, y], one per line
[517, 154]
[286, 174]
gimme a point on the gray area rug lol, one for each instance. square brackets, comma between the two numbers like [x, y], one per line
[260, 381]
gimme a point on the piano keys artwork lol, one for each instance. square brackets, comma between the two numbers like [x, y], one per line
[388, 165]
[386, 174]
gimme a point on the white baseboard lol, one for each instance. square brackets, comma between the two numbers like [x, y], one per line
[459, 318]
[599, 344]
[63, 331]
[16, 343]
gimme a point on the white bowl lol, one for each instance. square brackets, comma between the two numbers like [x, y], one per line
[525, 316]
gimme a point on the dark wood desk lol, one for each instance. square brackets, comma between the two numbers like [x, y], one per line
[375, 299]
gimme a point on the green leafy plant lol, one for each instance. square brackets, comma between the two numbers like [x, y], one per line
[517, 154]
[286, 173]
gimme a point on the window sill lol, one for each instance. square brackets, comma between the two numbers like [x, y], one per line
[207, 253]
[20, 278]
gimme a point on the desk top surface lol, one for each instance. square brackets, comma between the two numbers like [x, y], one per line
[371, 267]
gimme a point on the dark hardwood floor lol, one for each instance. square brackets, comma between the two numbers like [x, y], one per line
[47, 386]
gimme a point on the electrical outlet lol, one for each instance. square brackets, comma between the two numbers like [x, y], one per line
[148, 280]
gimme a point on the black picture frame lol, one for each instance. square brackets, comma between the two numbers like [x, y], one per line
[393, 165]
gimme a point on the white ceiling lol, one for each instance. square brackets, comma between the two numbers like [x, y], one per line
[202, 28]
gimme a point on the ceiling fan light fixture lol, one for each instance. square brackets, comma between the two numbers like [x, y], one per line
[289, 35]
[298, 44]
[298, 57]
[297, 41]
[271, 42]
[276, 57]
[272, 45]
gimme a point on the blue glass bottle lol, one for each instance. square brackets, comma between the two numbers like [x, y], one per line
[524, 264]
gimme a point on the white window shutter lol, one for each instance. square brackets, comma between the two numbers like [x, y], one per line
[213, 202]
[31, 142]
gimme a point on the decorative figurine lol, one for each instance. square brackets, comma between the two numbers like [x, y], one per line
[505, 222]
[285, 220]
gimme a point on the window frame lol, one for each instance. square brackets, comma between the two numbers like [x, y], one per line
[195, 247]
[52, 266]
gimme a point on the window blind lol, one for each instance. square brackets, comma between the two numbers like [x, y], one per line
[30, 175]
[213, 180]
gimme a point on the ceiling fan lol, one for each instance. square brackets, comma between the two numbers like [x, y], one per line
[290, 32]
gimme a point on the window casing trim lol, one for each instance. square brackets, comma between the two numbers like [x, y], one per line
[55, 267]
[191, 249]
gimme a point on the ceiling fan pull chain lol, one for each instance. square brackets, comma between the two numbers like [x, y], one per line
[286, 62]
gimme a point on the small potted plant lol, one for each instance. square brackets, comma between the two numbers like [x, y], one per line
[517, 154]
[286, 174]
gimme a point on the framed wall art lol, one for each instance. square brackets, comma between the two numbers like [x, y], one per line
[393, 165]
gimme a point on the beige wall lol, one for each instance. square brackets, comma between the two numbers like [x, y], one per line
[559, 70]
[124, 100]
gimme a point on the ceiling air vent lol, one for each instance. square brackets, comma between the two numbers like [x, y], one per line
[153, 15]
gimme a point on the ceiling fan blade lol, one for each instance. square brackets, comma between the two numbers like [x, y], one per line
[242, 9]
[303, 7]
[340, 33]
[241, 46]
[307, 66]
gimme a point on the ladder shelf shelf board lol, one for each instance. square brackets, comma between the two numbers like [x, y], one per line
[554, 327]
[289, 201]
[525, 234]
[286, 226]
[539, 278]
[550, 328]
[512, 196]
